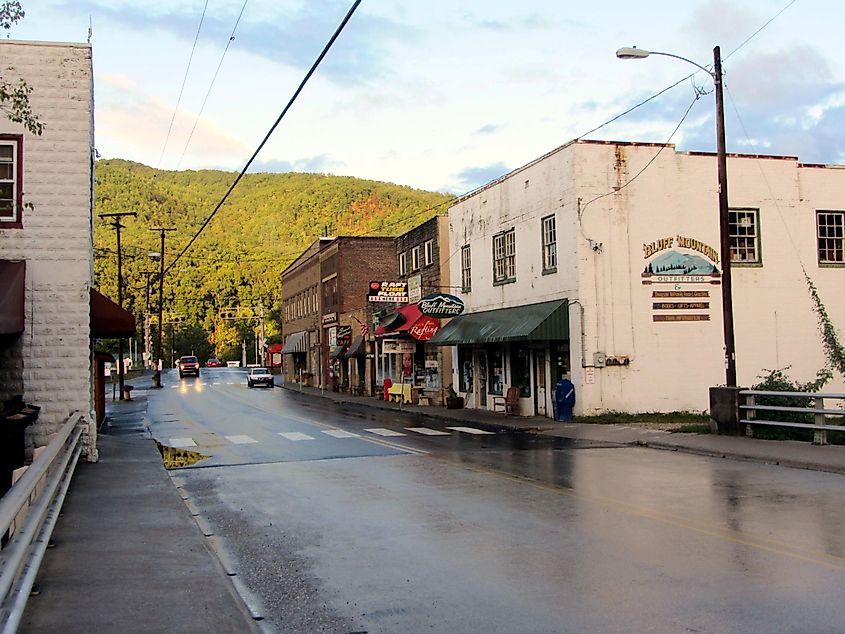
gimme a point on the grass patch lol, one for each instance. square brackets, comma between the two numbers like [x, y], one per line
[617, 418]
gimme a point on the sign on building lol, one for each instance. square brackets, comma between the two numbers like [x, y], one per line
[344, 335]
[441, 305]
[389, 292]
[398, 347]
[414, 288]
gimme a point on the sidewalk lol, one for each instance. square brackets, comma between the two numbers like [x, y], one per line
[785, 453]
[128, 556]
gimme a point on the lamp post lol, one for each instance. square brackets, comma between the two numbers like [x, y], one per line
[724, 215]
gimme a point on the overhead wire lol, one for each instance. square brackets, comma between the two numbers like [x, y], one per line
[211, 85]
[184, 81]
[266, 138]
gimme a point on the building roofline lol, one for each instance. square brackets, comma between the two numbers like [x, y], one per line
[46, 43]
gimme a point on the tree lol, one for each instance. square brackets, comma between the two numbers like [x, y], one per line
[14, 96]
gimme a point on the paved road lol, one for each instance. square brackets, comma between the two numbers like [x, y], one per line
[348, 522]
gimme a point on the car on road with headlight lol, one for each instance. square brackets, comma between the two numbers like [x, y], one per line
[189, 365]
[259, 376]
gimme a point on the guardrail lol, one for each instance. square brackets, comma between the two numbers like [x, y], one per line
[749, 410]
[28, 512]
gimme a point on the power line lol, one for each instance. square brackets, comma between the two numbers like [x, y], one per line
[272, 129]
[211, 85]
[184, 80]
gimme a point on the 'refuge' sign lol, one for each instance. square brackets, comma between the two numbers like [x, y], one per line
[441, 305]
[396, 292]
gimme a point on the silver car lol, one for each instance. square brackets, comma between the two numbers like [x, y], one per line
[259, 376]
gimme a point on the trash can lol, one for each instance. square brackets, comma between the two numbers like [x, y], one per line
[564, 400]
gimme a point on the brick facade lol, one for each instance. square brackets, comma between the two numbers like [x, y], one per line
[50, 362]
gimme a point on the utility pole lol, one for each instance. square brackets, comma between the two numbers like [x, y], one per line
[158, 366]
[117, 227]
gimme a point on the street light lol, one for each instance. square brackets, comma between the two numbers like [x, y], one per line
[724, 216]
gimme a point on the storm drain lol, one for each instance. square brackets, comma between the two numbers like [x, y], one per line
[176, 457]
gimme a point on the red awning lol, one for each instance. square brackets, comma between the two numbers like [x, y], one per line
[12, 277]
[401, 321]
[108, 320]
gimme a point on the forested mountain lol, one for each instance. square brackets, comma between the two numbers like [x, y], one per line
[238, 259]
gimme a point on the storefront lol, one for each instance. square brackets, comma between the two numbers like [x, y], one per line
[295, 355]
[523, 346]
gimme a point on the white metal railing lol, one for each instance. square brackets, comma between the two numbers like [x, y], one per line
[750, 409]
[29, 511]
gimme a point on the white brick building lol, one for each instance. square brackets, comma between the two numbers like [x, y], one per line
[635, 251]
[46, 222]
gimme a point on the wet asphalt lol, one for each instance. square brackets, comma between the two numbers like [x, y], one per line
[354, 530]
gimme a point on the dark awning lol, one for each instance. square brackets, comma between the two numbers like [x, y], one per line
[357, 349]
[296, 342]
[336, 352]
[108, 320]
[12, 278]
[547, 321]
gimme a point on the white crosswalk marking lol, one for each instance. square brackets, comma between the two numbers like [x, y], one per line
[216, 383]
[380, 431]
[339, 433]
[241, 440]
[470, 430]
[428, 432]
[295, 435]
[182, 442]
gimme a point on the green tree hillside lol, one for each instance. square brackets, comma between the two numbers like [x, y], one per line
[237, 261]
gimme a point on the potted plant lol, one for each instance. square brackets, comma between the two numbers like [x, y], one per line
[453, 401]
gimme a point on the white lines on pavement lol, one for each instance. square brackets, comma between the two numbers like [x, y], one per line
[381, 431]
[295, 435]
[470, 430]
[428, 432]
[182, 442]
[241, 440]
[339, 433]
[216, 383]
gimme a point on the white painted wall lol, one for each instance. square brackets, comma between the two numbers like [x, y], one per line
[56, 239]
[604, 218]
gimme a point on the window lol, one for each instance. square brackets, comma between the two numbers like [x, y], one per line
[10, 180]
[465, 369]
[429, 252]
[403, 263]
[521, 369]
[743, 228]
[415, 259]
[831, 237]
[466, 269]
[504, 257]
[496, 376]
[549, 245]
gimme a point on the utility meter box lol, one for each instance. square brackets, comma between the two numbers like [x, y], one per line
[599, 359]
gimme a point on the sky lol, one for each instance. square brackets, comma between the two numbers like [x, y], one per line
[446, 95]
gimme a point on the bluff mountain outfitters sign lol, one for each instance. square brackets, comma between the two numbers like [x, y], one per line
[441, 305]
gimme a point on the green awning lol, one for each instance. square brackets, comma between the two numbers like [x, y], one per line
[547, 321]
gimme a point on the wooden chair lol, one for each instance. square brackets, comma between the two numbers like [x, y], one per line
[509, 403]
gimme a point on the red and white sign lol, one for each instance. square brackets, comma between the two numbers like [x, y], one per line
[425, 328]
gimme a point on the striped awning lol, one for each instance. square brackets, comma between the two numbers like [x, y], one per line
[296, 342]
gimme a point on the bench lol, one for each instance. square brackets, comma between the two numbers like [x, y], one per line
[509, 403]
[402, 392]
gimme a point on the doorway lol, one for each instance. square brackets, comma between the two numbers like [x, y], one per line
[482, 379]
[540, 382]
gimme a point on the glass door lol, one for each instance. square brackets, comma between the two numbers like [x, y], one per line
[482, 379]
[540, 382]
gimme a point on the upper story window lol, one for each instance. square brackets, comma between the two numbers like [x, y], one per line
[549, 244]
[428, 252]
[10, 180]
[415, 258]
[403, 263]
[831, 237]
[744, 231]
[466, 269]
[504, 257]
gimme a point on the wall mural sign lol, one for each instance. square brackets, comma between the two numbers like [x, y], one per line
[441, 305]
[669, 262]
[396, 292]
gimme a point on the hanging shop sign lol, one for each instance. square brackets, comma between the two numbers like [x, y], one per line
[424, 328]
[396, 292]
[333, 337]
[398, 347]
[441, 305]
[329, 318]
[344, 335]
[415, 288]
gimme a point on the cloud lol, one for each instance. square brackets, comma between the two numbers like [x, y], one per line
[293, 36]
[490, 128]
[315, 164]
[473, 177]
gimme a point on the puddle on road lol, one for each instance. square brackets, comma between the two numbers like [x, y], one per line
[176, 457]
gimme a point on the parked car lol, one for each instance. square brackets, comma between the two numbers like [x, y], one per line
[189, 365]
[259, 376]
[214, 363]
